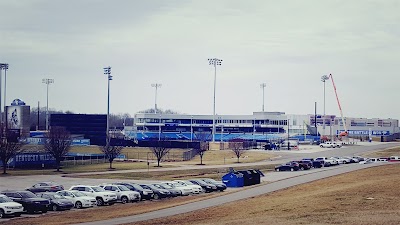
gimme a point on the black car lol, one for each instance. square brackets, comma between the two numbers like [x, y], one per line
[158, 193]
[146, 194]
[206, 186]
[304, 164]
[57, 202]
[29, 201]
[220, 186]
[290, 166]
[174, 191]
[45, 187]
[315, 164]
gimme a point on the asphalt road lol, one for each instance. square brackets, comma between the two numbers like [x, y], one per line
[235, 196]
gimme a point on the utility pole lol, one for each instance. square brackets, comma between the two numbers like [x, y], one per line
[214, 62]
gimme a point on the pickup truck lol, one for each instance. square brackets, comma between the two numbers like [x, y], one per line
[330, 145]
[327, 161]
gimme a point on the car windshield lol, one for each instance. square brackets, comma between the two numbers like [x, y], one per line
[57, 196]
[137, 186]
[27, 195]
[179, 185]
[186, 182]
[166, 186]
[79, 194]
[123, 188]
[4, 199]
[201, 182]
[98, 189]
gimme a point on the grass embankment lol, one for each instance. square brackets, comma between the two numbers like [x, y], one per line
[370, 196]
[212, 157]
[215, 173]
[395, 151]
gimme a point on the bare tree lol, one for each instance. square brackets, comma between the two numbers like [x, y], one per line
[237, 147]
[111, 152]
[203, 145]
[160, 150]
[58, 143]
[10, 146]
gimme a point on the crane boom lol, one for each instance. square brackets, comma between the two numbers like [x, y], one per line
[340, 107]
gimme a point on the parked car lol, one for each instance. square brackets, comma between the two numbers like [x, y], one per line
[124, 195]
[220, 186]
[206, 186]
[174, 191]
[57, 202]
[290, 166]
[359, 158]
[45, 187]
[304, 164]
[9, 207]
[145, 194]
[159, 193]
[394, 159]
[328, 145]
[80, 199]
[102, 196]
[185, 190]
[352, 160]
[341, 160]
[315, 164]
[29, 201]
[327, 161]
[196, 189]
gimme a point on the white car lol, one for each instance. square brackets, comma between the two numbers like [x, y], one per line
[370, 160]
[102, 196]
[342, 160]
[196, 189]
[79, 199]
[9, 207]
[124, 195]
[327, 161]
[183, 188]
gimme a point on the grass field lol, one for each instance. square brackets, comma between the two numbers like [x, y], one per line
[395, 151]
[370, 196]
[176, 175]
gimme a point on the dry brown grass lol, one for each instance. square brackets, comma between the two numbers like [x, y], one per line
[341, 199]
[338, 200]
[384, 153]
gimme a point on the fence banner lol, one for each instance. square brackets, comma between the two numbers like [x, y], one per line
[41, 141]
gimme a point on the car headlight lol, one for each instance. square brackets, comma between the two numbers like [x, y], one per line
[106, 196]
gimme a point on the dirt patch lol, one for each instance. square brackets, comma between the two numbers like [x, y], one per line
[370, 196]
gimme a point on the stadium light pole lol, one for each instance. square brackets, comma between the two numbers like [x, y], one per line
[288, 127]
[324, 78]
[214, 62]
[263, 85]
[107, 71]
[5, 67]
[159, 128]
[47, 81]
[156, 86]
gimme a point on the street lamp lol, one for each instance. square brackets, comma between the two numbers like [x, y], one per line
[156, 86]
[3, 66]
[263, 85]
[47, 81]
[107, 71]
[324, 78]
[214, 62]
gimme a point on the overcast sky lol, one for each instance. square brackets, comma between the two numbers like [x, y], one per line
[288, 45]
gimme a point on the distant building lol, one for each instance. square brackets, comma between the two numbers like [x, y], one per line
[91, 126]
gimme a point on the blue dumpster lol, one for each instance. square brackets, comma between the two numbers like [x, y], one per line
[233, 179]
[248, 179]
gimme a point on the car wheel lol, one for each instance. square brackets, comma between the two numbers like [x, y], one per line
[54, 208]
[156, 196]
[2, 214]
[78, 205]
[124, 199]
[302, 168]
[321, 146]
[100, 201]
[292, 169]
[277, 169]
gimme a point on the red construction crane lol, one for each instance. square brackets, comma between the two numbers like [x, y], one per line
[345, 133]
